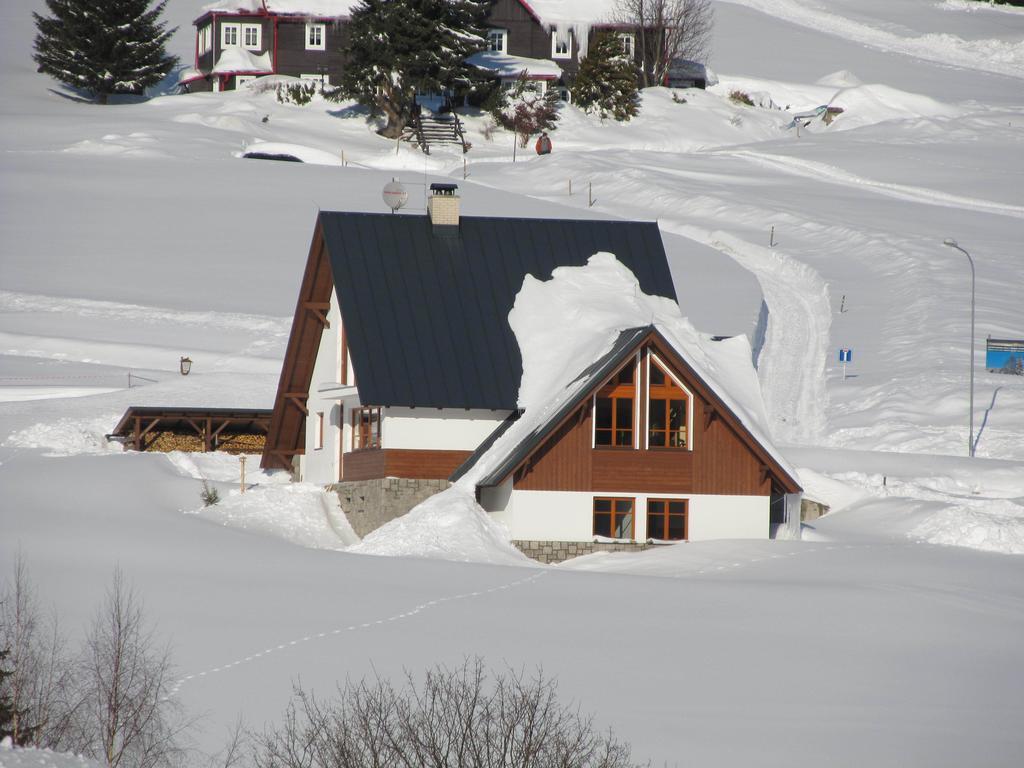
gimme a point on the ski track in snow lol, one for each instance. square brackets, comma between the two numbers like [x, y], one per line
[352, 628]
[792, 362]
[1002, 57]
[831, 174]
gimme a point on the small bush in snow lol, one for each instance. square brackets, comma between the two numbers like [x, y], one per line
[296, 93]
[606, 83]
[455, 718]
[677, 98]
[739, 97]
[523, 110]
[209, 494]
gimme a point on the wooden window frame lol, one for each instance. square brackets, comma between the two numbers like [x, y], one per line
[318, 438]
[310, 45]
[226, 27]
[686, 518]
[622, 37]
[619, 392]
[614, 513]
[554, 46]
[362, 436]
[652, 358]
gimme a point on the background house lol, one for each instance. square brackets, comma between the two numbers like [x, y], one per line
[240, 40]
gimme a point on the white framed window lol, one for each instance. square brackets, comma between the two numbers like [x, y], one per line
[317, 80]
[561, 47]
[205, 39]
[241, 80]
[229, 34]
[316, 37]
[497, 40]
[252, 36]
[628, 42]
[318, 437]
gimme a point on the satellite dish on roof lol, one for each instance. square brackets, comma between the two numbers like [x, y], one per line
[395, 195]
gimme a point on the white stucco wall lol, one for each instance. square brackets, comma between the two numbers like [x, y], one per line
[438, 429]
[320, 465]
[568, 515]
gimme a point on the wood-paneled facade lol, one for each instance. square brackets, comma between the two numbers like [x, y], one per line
[283, 40]
[374, 463]
[722, 458]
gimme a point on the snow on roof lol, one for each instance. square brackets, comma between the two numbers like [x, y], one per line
[504, 65]
[236, 59]
[565, 324]
[188, 75]
[555, 12]
[287, 7]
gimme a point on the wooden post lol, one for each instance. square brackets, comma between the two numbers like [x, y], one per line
[771, 238]
[242, 460]
[207, 436]
[465, 172]
[137, 433]
[570, 187]
[590, 194]
[343, 161]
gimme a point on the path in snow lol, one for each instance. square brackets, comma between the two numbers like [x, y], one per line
[353, 628]
[1003, 57]
[831, 174]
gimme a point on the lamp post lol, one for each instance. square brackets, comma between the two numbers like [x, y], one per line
[970, 435]
[185, 365]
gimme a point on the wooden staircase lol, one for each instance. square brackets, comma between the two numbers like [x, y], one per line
[429, 129]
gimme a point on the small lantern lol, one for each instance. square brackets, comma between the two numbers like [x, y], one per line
[186, 365]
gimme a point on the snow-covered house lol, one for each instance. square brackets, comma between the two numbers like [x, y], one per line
[402, 374]
[240, 40]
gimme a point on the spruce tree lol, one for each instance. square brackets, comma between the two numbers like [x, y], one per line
[103, 47]
[395, 47]
[606, 82]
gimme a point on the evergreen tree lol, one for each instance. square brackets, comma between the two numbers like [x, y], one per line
[606, 82]
[103, 46]
[395, 47]
[8, 714]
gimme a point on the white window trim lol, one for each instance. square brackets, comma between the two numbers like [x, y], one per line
[318, 439]
[689, 402]
[224, 29]
[205, 39]
[327, 81]
[259, 37]
[504, 39]
[632, 45]
[554, 46]
[323, 37]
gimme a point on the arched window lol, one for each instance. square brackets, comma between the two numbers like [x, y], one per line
[614, 405]
[667, 409]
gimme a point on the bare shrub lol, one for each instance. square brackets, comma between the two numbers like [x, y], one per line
[673, 29]
[456, 718]
[740, 97]
[123, 715]
[40, 670]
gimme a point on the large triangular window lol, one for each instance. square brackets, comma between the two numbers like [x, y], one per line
[615, 409]
[668, 408]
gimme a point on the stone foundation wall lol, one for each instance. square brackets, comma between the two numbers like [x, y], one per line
[560, 551]
[368, 504]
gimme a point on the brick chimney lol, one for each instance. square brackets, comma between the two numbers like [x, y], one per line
[443, 205]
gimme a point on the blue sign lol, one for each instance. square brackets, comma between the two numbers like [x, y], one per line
[845, 355]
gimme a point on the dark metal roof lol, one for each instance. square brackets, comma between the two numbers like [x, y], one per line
[589, 379]
[426, 315]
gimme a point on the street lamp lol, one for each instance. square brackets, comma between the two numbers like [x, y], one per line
[970, 435]
[185, 365]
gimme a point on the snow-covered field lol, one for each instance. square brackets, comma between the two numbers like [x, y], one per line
[133, 234]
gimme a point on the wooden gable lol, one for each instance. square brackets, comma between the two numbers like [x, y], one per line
[725, 458]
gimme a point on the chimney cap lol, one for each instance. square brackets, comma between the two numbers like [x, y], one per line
[443, 189]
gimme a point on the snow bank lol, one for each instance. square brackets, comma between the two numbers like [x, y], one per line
[282, 149]
[17, 757]
[68, 436]
[300, 513]
[998, 526]
[448, 526]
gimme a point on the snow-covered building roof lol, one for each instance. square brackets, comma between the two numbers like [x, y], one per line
[559, 12]
[506, 66]
[319, 8]
[236, 60]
